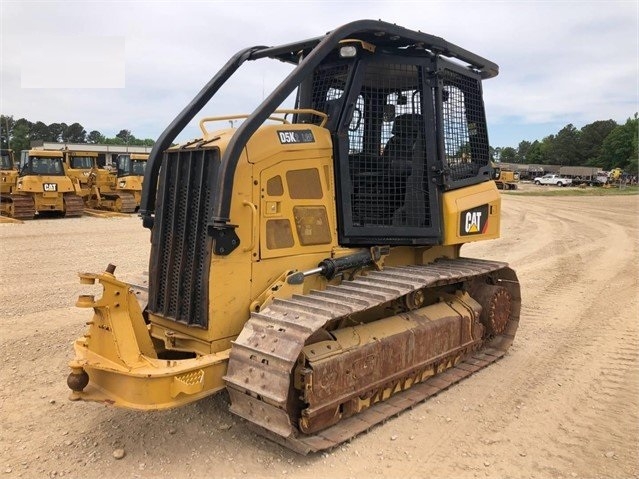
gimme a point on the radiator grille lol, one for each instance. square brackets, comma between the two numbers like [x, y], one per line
[181, 248]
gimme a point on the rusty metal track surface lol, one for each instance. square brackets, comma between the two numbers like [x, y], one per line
[265, 353]
[127, 201]
[22, 206]
[73, 204]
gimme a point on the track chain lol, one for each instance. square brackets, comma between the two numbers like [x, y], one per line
[22, 207]
[264, 355]
[127, 202]
[73, 205]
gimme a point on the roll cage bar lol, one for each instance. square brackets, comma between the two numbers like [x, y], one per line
[311, 52]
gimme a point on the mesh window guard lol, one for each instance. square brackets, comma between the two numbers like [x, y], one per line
[465, 139]
[387, 166]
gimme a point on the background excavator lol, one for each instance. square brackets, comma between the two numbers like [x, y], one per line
[505, 178]
[308, 261]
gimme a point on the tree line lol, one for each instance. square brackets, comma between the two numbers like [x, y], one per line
[604, 144]
[18, 134]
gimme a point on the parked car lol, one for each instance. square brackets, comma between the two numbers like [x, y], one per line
[552, 180]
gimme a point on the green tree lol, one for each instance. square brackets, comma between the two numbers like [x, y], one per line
[620, 148]
[565, 149]
[95, 137]
[522, 151]
[74, 133]
[547, 150]
[125, 136]
[535, 156]
[56, 131]
[591, 140]
[39, 131]
[508, 155]
[20, 135]
[114, 141]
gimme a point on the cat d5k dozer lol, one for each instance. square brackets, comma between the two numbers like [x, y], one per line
[308, 261]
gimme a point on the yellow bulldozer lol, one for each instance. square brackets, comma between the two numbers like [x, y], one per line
[309, 260]
[78, 166]
[102, 190]
[42, 187]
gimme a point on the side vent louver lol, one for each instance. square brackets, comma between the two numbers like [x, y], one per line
[181, 249]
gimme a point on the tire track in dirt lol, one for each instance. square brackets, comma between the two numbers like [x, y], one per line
[560, 401]
[558, 318]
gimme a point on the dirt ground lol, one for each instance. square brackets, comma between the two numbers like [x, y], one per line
[563, 403]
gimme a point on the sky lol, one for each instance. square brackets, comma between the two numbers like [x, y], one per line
[134, 65]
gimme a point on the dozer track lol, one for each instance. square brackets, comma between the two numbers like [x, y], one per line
[286, 381]
[20, 207]
[125, 202]
[73, 205]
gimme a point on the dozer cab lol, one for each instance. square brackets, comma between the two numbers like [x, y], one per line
[308, 261]
[78, 166]
[42, 186]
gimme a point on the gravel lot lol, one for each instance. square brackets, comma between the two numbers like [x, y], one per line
[563, 403]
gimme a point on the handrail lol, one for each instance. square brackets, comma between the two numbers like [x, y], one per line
[147, 205]
[254, 224]
[293, 111]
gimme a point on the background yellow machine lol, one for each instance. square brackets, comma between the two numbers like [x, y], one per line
[103, 190]
[14, 206]
[309, 261]
[78, 166]
[130, 176]
[505, 178]
[42, 187]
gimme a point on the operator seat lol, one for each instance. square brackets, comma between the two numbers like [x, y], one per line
[398, 153]
[404, 158]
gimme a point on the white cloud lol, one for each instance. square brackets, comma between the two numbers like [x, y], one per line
[560, 62]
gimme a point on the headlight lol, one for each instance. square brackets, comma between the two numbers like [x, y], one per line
[348, 51]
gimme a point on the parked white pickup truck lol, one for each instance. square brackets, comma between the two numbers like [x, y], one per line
[553, 180]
